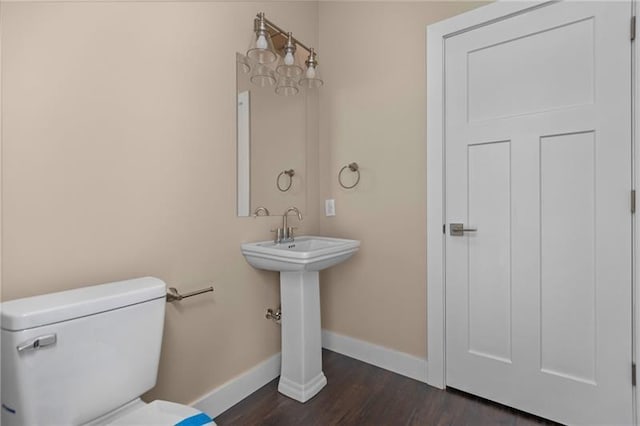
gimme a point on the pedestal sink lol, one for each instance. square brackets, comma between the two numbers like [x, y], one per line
[299, 263]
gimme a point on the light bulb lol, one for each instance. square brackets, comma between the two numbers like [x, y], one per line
[311, 72]
[288, 59]
[261, 43]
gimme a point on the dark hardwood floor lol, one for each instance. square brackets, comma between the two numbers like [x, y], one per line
[361, 394]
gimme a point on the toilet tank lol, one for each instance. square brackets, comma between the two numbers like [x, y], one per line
[72, 356]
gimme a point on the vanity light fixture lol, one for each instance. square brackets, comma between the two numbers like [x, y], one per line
[287, 66]
[311, 79]
[287, 86]
[271, 45]
[261, 47]
[263, 75]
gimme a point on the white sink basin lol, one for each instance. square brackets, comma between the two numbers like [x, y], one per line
[306, 253]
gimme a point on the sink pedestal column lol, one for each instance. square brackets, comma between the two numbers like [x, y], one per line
[301, 376]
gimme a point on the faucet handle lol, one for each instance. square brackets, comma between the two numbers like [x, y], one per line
[290, 232]
[279, 235]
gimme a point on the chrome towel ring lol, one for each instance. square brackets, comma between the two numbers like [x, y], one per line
[259, 210]
[354, 168]
[289, 173]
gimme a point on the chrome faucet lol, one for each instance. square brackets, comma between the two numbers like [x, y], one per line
[285, 234]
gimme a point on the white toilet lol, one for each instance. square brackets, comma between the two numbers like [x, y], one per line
[84, 357]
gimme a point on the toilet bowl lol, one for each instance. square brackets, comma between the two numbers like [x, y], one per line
[153, 414]
[84, 357]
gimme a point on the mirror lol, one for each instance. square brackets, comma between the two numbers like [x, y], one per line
[271, 146]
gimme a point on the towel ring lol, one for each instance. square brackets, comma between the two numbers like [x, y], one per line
[260, 209]
[289, 173]
[354, 168]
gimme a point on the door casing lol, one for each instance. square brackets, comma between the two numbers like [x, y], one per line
[436, 35]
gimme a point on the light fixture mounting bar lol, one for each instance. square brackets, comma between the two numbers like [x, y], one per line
[281, 31]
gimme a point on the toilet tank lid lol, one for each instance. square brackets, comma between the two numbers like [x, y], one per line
[36, 311]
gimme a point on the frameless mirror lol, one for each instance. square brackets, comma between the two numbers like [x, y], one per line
[271, 145]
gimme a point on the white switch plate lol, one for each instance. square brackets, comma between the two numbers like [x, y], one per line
[330, 207]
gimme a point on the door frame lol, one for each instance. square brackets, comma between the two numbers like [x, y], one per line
[436, 35]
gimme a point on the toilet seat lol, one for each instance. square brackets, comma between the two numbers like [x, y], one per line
[163, 413]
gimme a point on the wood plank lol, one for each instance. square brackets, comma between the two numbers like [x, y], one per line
[361, 394]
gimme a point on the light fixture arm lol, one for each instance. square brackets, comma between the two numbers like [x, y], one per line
[281, 31]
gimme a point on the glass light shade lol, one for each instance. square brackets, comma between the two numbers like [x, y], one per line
[289, 70]
[311, 78]
[261, 48]
[243, 63]
[263, 76]
[287, 86]
[288, 64]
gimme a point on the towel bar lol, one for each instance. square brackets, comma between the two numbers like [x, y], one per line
[173, 295]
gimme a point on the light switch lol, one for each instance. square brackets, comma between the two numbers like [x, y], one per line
[330, 207]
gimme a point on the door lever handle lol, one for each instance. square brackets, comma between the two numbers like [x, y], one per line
[458, 229]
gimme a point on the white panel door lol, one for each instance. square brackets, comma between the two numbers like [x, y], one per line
[538, 162]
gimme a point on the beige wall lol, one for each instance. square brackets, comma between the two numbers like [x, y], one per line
[118, 161]
[373, 111]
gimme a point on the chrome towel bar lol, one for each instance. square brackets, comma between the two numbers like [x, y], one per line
[173, 295]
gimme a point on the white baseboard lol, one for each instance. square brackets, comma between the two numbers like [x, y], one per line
[389, 359]
[235, 390]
